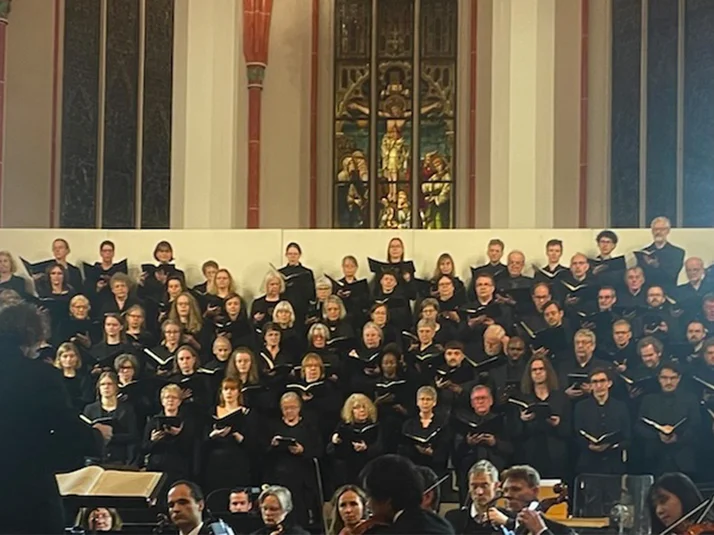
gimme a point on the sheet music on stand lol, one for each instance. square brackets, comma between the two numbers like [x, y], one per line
[93, 486]
[623, 499]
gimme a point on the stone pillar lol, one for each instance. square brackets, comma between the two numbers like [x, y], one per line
[4, 14]
[531, 110]
[256, 40]
[207, 159]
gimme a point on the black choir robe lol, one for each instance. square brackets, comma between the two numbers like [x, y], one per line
[597, 420]
[261, 305]
[549, 275]
[123, 446]
[462, 375]
[238, 330]
[540, 444]
[393, 392]
[670, 260]
[295, 471]
[228, 463]
[321, 404]
[349, 462]
[299, 288]
[103, 355]
[466, 422]
[174, 454]
[80, 389]
[507, 378]
[436, 435]
[15, 283]
[669, 409]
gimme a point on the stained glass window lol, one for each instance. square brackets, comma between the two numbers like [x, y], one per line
[394, 128]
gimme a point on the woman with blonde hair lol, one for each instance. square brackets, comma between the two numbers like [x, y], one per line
[261, 311]
[335, 318]
[187, 313]
[357, 439]
[169, 443]
[8, 279]
[160, 358]
[69, 361]
[217, 291]
[321, 399]
[319, 342]
[445, 266]
[292, 337]
[349, 508]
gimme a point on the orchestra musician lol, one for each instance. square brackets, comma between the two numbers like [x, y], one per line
[395, 488]
[521, 484]
[671, 497]
[480, 515]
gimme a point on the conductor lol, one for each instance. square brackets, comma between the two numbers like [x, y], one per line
[42, 433]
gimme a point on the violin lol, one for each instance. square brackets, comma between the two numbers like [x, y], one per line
[561, 496]
[363, 527]
[701, 528]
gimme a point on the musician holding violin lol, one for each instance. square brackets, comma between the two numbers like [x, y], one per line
[677, 507]
[520, 485]
[394, 488]
[480, 515]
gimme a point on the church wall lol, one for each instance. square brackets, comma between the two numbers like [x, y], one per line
[28, 113]
[249, 252]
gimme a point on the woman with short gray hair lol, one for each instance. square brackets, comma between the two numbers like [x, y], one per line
[275, 504]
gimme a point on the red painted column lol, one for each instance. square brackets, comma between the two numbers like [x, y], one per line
[256, 39]
[584, 78]
[4, 14]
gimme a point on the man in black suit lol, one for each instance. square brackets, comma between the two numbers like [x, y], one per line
[395, 488]
[186, 503]
[520, 486]
[41, 430]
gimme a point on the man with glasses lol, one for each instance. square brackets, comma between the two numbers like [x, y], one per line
[602, 429]
[667, 425]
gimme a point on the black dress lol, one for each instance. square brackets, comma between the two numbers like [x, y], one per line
[80, 390]
[295, 472]
[227, 462]
[122, 448]
[541, 445]
[349, 462]
[436, 435]
[173, 454]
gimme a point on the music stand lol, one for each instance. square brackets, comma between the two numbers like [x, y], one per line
[623, 499]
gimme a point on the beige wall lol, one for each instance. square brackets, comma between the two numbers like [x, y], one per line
[193, 247]
[28, 112]
[218, 132]
[286, 118]
[567, 114]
